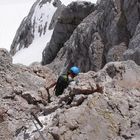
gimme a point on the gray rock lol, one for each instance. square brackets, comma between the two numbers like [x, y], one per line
[101, 105]
[116, 53]
[107, 34]
[132, 13]
[56, 15]
[133, 51]
[91, 113]
[96, 41]
[78, 100]
[85, 47]
[19, 83]
[70, 17]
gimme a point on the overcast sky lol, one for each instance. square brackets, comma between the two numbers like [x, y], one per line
[12, 13]
[14, 1]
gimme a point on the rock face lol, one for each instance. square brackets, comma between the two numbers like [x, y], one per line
[133, 51]
[16, 83]
[36, 25]
[99, 105]
[70, 17]
[110, 33]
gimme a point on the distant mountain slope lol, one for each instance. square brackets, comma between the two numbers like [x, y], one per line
[36, 30]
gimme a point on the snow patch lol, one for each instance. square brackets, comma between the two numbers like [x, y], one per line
[42, 16]
[32, 54]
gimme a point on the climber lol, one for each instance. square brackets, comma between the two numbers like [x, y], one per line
[64, 80]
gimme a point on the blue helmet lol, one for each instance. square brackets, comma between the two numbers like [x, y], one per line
[75, 70]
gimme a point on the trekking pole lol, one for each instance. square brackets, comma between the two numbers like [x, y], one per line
[49, 97]
[38, 121]
[43, 138]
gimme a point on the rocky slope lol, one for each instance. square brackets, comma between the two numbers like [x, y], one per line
[100, 105]
[18, 86]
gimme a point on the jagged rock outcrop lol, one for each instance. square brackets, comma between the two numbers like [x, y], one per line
[36, 25]
[70, 17]
[110, 33]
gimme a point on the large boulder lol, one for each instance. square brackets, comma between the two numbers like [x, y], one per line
[5, 60]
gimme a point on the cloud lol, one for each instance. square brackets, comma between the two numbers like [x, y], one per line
[15, 1]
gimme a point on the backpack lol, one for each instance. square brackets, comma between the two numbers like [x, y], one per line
[62, 83]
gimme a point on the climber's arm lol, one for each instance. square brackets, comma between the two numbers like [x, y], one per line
[52, 85]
